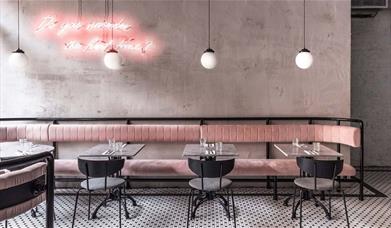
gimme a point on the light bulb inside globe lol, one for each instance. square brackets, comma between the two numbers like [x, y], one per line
[304, 59]
[208, 59]
[18, 59]
[113, 60]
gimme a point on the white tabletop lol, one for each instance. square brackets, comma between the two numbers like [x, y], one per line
[14, 149]
[102, 150]
[191, 150]
[306, 150]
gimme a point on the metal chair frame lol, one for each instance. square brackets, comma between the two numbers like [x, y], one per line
[328, 169]
[210, 169]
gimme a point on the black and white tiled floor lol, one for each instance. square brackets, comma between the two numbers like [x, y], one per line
[252, 211]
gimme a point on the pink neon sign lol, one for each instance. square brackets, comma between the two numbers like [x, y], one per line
[94, 36]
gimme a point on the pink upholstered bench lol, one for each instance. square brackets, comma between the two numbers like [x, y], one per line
[189, 133]
[182, 133]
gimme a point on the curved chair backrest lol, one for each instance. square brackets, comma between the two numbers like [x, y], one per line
[211, 168]
[320, 168]
[99, 168]
[29, 180]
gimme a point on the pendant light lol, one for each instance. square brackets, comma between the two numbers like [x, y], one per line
[18, 58]
[208, 58]
[304, 58]
[112, 59]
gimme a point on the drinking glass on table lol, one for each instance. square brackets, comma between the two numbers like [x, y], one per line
[111, 144]
[219, 146]
[295, 142]
[202, 142]
[22, 143]
[29, 147]
[316, 146]
[118, 146]
[25, 146]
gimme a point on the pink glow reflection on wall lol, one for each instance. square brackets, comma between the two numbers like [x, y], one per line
[91, 37]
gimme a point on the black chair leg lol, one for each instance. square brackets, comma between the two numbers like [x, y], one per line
[6, 223]
[127, 186]
[301, 204]
[188, 207]
[293, 204]
[229, 217]
[346, 208]
[329, 215]
[125, 206]
[233, 207]
[74, 211]
[119, 206]
[89, 204]
[191, 203]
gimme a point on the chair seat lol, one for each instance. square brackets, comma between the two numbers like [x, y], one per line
[210, 184]
[322, 184]
[99, 183]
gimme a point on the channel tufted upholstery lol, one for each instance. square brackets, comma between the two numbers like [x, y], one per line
[129, 133]
[282, 133]
[32, 132]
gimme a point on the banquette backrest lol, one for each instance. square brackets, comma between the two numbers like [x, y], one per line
[32, 132]
[130, 133]
[282, 133]
[233, 133]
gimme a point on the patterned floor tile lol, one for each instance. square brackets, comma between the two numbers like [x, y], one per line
[169, 211]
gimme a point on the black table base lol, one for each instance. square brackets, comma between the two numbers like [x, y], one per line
[114, 197]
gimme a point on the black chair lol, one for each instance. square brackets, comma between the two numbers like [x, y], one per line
[98, 178]
[210, 181]
[320, 176]
[29, 180]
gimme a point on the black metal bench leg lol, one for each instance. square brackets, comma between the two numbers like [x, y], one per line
[275, 196]
[268, 186]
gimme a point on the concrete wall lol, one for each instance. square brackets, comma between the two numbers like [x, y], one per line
[371, 84]
[256, 43]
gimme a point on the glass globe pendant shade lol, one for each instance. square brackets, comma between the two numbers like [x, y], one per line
[112, 60]
[208, 59]
[304, 59]
[18, 59]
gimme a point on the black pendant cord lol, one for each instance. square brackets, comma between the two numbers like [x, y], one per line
[209, 25]
[18, 25]
[112, 24]
[105, 35]
[304, 24]
[80, 9]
